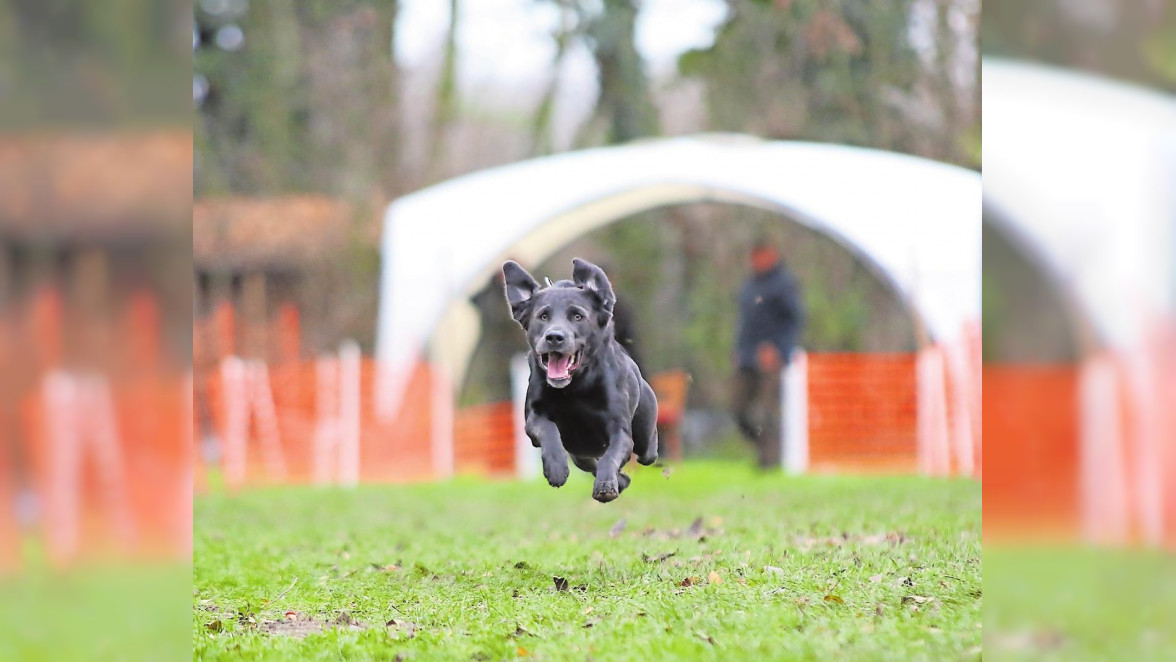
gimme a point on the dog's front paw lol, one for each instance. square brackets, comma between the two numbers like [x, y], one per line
[555, 472]
[605, 489]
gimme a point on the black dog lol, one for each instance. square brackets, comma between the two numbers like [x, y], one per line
[586, 397]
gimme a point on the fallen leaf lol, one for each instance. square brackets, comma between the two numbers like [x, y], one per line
[617, 528]
[215, 626]
[522, 652]
[689, 581]
[874, 579]
[561, 584]
[878, 610]
[773, 569]
[519, 631]
[657, 559]
[714, 578]
[587, 610]
[707, 638]
[834, 598]
[917, 599]
[666, 472]
[399, 658]
[904, 581]
[592, 622]
[406, 627]
[695, 529]
[290, 615]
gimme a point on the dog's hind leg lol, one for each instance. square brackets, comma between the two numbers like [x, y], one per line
[622, 481]
[645, 426]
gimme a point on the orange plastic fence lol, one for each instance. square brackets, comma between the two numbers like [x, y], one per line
[484, 439]
[862, 412]
[9, 550]
[862, 417]
[397, 449]
[1031, 419]
[131, 493]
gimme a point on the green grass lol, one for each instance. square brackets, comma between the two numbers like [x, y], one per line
[100, 611]
[1074, 603]
[782, 568]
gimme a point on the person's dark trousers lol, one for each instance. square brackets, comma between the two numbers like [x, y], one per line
[756, 406]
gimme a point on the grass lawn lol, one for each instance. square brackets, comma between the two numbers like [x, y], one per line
[1073, 603]
[714, 561]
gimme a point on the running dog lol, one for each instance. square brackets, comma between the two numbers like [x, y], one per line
[586, 398]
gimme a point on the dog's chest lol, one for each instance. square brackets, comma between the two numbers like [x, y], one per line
[582, 424]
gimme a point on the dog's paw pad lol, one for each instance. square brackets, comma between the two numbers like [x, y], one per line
[606, 492]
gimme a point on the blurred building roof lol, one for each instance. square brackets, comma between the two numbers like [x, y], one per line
[110, 186]
[280, 232]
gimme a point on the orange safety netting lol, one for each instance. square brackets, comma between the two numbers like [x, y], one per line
[484, 439]
[9, 550]
[397, 449]
[1031, 418]
[862, 417]
[863, 412]
[123, 487]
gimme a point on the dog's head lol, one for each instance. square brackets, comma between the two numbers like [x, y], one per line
[567, 321]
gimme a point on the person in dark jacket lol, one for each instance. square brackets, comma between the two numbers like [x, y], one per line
[771, 317]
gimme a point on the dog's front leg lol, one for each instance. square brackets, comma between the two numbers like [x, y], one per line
[620, 448]
[545, 435]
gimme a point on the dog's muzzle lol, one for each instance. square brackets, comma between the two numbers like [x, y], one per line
[559, 367]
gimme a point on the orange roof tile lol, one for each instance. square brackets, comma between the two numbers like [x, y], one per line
[279, 231]
[95, 184]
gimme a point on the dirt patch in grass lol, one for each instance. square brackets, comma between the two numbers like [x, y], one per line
[299, 626]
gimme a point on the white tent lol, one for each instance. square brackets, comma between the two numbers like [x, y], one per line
[915, 222]
[1079, 172]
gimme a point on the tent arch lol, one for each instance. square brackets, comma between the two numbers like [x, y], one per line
[915, 222]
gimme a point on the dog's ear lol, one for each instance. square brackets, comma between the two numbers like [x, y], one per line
[591, 278]
[520, 288]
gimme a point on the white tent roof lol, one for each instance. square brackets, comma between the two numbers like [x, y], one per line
[915, 221]
[1081, 172]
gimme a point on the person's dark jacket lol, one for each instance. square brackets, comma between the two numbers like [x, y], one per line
[770, 311]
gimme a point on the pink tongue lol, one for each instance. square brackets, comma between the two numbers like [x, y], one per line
[557, 366]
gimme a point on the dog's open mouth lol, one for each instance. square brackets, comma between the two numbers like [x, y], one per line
[559, 367]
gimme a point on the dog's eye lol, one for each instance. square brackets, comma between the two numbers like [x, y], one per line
[578, 317]
[543, 316]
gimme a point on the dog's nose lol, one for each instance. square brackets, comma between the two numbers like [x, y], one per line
[555, 337]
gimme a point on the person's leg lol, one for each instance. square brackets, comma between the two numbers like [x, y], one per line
[770, 450]
[745, 386]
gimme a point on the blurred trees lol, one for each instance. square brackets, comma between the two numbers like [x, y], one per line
[306, 102]
[1129, 39]
[875, 74]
